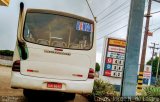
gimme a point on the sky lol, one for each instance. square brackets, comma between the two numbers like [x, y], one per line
[111, 16]
[116, 16]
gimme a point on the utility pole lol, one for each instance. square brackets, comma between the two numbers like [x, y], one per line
[140, 77]
[129, 78]
[158, 67]
[153, 52]
[159, 52]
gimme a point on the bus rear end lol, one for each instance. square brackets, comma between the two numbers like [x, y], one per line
[55, 51]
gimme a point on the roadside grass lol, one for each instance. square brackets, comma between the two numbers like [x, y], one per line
[102, 90]
[150, 93]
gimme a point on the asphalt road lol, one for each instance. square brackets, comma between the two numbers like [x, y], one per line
[8, 94]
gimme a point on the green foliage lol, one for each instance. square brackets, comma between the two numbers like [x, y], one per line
[152, 91]
[102, 89]
[154, 67]
[6, 52]
[157, 83]
[97, 67]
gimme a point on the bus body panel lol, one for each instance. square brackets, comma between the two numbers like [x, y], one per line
[27, 82]
[58, 65]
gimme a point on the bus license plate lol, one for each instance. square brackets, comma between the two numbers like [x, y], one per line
[54, 85]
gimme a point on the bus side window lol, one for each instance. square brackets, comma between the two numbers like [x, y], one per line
[26, 31]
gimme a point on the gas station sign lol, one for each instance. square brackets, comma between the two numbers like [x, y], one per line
[4, 2]
[147, 74]
[117, 42]
[114, 57]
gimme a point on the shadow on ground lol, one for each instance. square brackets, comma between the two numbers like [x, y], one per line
[47, 97]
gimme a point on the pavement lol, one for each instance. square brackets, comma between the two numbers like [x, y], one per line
[8, 94]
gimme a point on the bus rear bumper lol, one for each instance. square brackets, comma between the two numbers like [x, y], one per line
[34, 83]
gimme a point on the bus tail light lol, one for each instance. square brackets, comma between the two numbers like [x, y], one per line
[91, 73]
[16, 66]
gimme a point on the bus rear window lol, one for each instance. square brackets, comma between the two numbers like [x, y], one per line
[58, 31]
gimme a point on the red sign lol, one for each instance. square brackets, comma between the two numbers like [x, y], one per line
[107, 73]
[109, 60]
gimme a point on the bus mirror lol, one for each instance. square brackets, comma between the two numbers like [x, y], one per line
[21, 7]
[20, 20]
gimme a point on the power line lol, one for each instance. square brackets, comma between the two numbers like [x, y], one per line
[108, 28]
[157, 1]
[123, 27]
[156, 29]
[143, 27]
[156, 24]
[114, 31]
[94, 5]
[113, 22]
[155, 12]
[125, 13]
[107, 7]
[121, 19]
[110, 16]
[114, 10]
[111, 26]
[99, 32]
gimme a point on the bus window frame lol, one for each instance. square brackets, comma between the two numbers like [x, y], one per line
[60, 14]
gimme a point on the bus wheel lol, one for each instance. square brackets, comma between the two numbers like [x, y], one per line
[27, 93]
[70, 96]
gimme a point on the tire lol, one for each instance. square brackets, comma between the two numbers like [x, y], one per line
[26, 93]
[70, 96]
[30, 93]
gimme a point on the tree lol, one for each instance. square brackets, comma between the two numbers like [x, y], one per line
[97, 67]
[154, 66]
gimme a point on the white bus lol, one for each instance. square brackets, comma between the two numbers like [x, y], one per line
[55, 48]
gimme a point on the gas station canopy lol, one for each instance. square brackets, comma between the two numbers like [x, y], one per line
[4, 2]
